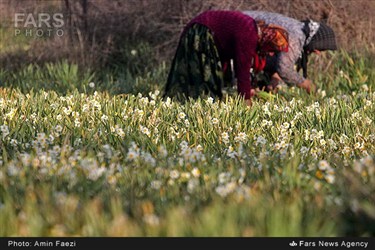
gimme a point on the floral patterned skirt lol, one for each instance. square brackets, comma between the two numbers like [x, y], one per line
[196, 69]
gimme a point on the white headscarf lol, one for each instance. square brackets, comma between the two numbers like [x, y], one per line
[313, 27]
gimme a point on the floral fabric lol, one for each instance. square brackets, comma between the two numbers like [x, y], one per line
[196, 69]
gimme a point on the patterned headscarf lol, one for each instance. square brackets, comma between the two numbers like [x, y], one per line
[310, 30]
[272, 38]
[319, 36]
[322, 39]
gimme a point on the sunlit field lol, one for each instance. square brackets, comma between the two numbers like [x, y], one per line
[92, 163]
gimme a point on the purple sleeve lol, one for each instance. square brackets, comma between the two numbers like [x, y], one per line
[244, 54]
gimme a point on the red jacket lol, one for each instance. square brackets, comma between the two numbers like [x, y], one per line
[236, 38]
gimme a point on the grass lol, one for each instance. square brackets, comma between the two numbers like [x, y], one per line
[114, 159]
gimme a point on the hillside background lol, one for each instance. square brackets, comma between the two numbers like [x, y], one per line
[100, 33]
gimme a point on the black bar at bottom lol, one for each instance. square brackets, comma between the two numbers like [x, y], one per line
[165, 243]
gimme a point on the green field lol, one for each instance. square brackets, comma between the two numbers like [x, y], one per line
[78, 158]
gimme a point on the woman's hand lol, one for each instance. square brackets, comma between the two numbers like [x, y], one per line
[248, 102]
[253, 92]
[274, 85]
[308, 86]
